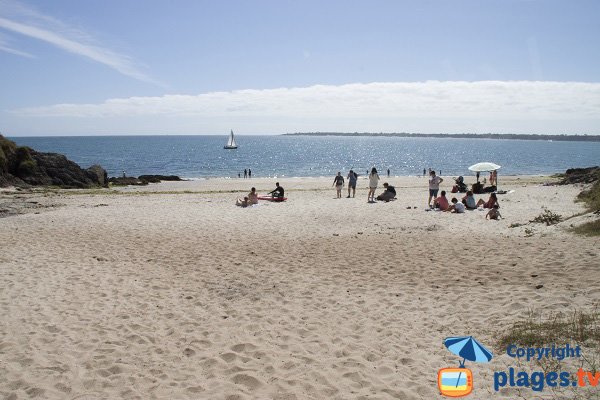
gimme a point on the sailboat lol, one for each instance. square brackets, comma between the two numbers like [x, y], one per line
[230, 142]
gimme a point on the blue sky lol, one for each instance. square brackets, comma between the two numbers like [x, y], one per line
[260, 67]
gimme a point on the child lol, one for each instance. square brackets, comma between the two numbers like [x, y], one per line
[493, 213]
[456, 207]
[242, 203]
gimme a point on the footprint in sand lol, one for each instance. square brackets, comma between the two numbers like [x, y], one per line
[228, 357]
[238, 348]
[246, 380]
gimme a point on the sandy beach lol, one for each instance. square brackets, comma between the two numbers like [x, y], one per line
[170, 291]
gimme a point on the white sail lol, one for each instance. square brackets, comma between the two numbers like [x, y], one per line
[231, 142]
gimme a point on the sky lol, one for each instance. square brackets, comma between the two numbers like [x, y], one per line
[131, 67]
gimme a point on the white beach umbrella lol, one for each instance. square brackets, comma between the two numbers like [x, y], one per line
[484, 167]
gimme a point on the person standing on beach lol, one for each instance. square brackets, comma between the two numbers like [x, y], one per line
[434, 186]
[245, 173]
[338, 181]
[249, 173]
[373, 181]
[352, 177]
[424, 172]
[388, 171]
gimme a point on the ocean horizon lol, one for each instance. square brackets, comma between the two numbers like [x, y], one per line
[203, 156]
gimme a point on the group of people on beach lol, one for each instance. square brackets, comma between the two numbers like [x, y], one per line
[468, 201]
[388, 194]
[440, 203]
[252, 197]
[247, 173]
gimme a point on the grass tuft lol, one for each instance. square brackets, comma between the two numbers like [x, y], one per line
[557, 328]
[588, 229]
[548, 217]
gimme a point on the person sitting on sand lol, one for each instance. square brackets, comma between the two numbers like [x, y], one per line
[242, 203]
[492, 201]
[338, 181]
[469, 201]
[456, 207]
[253, 196]
[441, 202]
[494, 213]
[278, 192]
[388, 194]
[460, 186]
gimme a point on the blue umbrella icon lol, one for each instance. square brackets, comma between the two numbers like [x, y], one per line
[469, 349]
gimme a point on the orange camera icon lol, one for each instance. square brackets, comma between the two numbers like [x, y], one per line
[455, 382]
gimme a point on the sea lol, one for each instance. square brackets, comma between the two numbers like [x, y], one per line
[201, 157]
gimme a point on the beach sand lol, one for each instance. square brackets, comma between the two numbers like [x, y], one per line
[171, 292]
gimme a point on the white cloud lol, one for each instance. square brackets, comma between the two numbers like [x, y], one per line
[420, 99]
[433, 106]
[56, 33]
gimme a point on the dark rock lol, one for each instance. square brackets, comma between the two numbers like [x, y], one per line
[142, 179]
[98, 173]
[158, 178]
[24, 166]
[126, 181]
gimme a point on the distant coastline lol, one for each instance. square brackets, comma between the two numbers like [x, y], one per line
[564, 138]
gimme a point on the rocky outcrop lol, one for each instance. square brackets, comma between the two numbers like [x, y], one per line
[142, 179]
[96, 172]
[158, 178]
[580, 175]
[126, 181]
[20, 165]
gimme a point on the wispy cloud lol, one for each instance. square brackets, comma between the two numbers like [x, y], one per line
[16, 18]
[5, 45]
[433, 106]
[10, 50]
